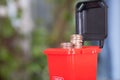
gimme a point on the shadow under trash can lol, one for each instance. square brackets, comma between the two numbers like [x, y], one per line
[73, 64]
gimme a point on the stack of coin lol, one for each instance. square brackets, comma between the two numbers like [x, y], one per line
[66, 45]
[76, 40]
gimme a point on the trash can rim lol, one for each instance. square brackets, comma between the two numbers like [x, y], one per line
[83, 50]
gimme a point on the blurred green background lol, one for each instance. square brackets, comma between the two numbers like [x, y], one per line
[28, 27]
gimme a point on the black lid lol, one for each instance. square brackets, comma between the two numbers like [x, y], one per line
[91, 20]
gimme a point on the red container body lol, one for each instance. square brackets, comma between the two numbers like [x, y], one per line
[73, 64]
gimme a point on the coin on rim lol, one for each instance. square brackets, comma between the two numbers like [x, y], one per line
[66, 45]
[76, 40]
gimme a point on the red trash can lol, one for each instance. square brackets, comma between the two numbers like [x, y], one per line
[73, 64]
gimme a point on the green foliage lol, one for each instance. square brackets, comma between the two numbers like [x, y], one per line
[87, 43]
[4, 53]
[2, 2]
[68, 16]
[19, 14]
[11, 60]
[39, 38]
[59, 1]
[7, 61]
[5, 28]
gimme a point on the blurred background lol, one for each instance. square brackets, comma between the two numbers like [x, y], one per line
[27, 27]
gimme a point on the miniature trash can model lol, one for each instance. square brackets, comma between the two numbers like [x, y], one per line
[73, 64]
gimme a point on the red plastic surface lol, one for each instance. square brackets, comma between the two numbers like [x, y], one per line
[73, 64]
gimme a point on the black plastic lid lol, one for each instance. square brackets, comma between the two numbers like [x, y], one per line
[91, 20]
